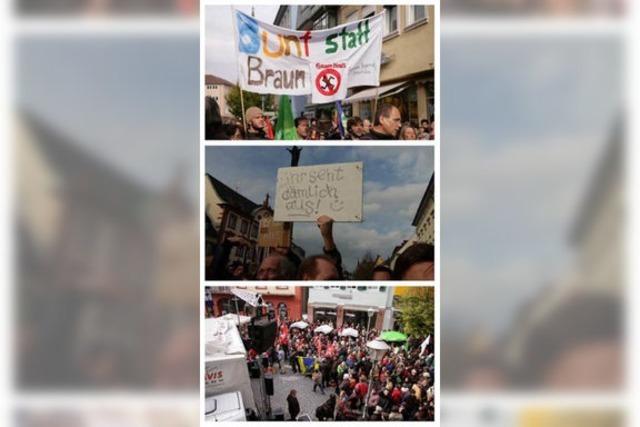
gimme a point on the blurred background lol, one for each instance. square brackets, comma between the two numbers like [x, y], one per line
[106, 142]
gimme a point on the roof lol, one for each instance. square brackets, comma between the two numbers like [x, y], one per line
[607, 176]
[428, 193]
[232, 197]
[210, 79]
[84, 173]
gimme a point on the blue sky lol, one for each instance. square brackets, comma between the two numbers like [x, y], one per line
[131, 101]
[395, 179]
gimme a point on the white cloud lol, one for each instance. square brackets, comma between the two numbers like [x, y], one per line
[353, 240]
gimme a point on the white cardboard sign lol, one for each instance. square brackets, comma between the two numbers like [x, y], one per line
[305, 193]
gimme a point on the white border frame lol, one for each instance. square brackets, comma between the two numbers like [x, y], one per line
[204, 144]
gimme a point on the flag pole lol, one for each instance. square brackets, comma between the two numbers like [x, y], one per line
[244, 121]
[235, 39]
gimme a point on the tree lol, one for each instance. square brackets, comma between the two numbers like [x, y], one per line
[417, 311]
[251, 99]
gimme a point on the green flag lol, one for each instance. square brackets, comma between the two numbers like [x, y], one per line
[285, 128]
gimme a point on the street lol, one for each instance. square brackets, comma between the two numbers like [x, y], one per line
[283, 384]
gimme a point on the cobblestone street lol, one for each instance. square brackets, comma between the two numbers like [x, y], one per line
[283, 384]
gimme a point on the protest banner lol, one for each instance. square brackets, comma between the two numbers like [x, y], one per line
[305, 193]
[323, 63]
[273, 234]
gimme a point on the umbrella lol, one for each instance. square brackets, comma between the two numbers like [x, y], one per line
[349, 332]
[300, 325]
[392, 336]
[325, 329]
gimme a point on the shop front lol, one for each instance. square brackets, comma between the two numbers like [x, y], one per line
[326, 315]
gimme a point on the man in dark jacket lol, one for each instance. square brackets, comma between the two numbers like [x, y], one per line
[387, 122]
[294, 406]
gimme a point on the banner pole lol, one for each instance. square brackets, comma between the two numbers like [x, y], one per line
[235, 40]
[244, 121]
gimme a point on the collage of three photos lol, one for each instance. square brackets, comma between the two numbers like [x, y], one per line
[320, 154]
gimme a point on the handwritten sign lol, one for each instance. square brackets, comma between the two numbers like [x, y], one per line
[273, 234]
[304, 193]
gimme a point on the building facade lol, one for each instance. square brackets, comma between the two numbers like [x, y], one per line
[407, 63]
[218, 89]
[424, 219]
[367, 306]
[284, 301]
[232, 214]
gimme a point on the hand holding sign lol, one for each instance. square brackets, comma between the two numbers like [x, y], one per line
[325, 224]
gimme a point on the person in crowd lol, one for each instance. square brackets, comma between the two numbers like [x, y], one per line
[281, 357]
[407, 132]
[334, 131]
[326, 411]
[255, 123]
[424, 129]
[387, 122]
[314, 133]
[317, 380]
[382, 272]
[235, 131]
[293, 405]
[302, 127]
[366, 126]
[318, 267]
[276, 267]
[218, 259]
[327, 266]
[355, 130]
[213, 128]
[415, 263]
[238, 271]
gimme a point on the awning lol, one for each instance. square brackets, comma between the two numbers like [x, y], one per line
[376, 92]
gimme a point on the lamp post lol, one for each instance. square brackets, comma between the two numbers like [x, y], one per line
[370, 312]
[235, 299]
[377, 350]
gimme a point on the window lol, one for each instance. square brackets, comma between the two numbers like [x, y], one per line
[244, 226]
[324, 21]
[390, 19]
[361, 288]
[382, 289]
[254, 230]
[214, 86]
[416, 13]
[353, 16]
[285, 20]
[232, 221]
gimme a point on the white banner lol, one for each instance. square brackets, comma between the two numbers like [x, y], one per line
[322, 63]
[305, 193]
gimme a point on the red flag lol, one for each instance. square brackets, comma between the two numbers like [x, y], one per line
[269, 128]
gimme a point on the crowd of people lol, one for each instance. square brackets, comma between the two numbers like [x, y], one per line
[415, 263]
[387, 125]
[402, 383]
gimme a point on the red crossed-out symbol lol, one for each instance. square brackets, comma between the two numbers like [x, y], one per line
[328, 81]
